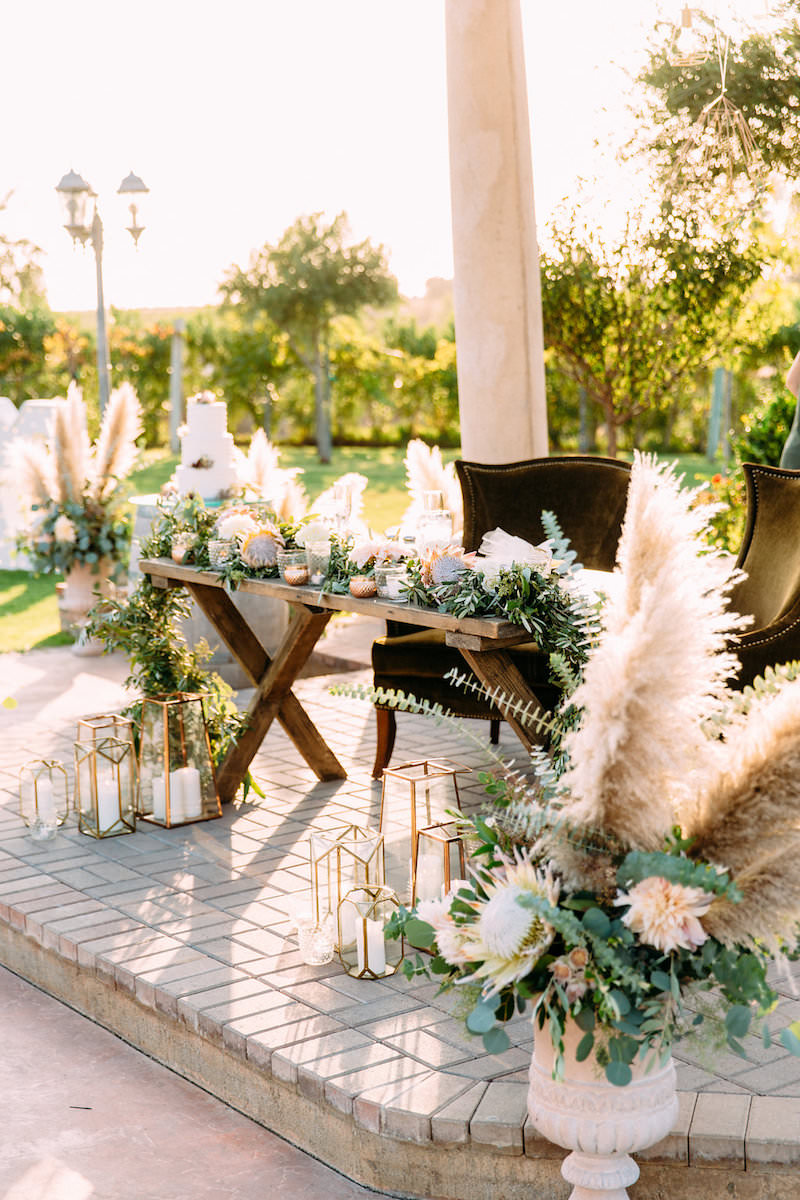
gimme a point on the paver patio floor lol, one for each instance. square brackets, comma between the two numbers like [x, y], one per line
[194, 925]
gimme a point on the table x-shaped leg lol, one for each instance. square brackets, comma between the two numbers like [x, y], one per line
[273, 679]
[496, 669]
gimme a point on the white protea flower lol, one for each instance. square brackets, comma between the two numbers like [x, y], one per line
[508, 938]
[64, 530]
[666, 915]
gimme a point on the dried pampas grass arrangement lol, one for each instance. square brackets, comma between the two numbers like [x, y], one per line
[426, 472]
[260, 470]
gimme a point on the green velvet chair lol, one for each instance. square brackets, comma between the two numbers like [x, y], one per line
[588, 496]
[770, 554]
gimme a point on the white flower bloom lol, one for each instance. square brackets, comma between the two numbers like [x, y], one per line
[504, 925]
[450, 941]
[434, 912]
[314, 531]
[64, 530]
[666, 915]
[237, 525]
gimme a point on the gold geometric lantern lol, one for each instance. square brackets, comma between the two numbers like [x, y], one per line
[364, 911]
[440, 859]
[105, 786]
[415, 795]
[348, 858]
[43, 796]
[177, 781]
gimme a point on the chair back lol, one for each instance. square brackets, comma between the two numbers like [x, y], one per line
[770, 550]
[587, 494]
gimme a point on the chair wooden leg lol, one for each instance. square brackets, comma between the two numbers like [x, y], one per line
[386, 728]
[494, 731]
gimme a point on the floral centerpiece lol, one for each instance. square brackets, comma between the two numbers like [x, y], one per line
[75, 490]
[642, 885]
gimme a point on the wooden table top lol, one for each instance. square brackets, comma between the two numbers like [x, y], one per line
[468, 630]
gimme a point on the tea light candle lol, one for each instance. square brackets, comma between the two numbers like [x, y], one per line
[375, 946]
[295, 575]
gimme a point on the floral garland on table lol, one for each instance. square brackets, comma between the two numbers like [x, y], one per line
[642, 886]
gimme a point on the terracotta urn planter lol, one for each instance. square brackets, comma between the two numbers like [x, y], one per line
[601, 1124]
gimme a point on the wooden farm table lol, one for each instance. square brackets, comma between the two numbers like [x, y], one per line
[483, 642]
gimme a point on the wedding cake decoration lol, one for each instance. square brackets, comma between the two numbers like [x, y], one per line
[207, 452]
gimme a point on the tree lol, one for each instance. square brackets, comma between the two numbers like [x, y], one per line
[241, 354]
[24, 371]
[20, 272]
[628, 321]
[310, 277]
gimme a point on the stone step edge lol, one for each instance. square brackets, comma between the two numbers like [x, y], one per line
[466, 1171]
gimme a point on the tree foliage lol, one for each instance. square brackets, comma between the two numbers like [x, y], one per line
[628, 319]
[302, 284]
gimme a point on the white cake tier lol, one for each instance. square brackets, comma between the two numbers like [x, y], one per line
[209, 483]
[207, 420]
[218, 448]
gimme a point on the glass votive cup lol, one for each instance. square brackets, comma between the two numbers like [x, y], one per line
[220, 551]
[393, 583]
[362, 586]
[315, 941]
[293, 567]
[318, 556]
[182, 546]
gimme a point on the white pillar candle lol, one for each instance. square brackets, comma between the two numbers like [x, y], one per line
[430, 876]
[45, 801]
[348, 919]
[186, 781]
[375, 946]
[108, 816]
[159, 798]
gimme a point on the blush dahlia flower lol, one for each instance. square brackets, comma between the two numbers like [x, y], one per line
[64, 530]
[666, 915]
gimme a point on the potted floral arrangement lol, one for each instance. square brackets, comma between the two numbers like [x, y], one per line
[79, 525]
[641, 885]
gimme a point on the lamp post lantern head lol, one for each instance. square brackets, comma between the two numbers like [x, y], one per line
[135, 188]
[75, 195]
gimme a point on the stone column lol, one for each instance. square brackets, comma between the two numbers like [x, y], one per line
[497, 288]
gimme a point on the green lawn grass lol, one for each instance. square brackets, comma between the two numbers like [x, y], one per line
[28, 609]
[29, 612]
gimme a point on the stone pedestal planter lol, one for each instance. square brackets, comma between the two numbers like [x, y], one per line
[601, 1124]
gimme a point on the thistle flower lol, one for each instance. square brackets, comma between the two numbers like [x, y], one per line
[666, 915]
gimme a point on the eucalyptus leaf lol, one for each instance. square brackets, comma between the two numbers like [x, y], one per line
[618, 1073]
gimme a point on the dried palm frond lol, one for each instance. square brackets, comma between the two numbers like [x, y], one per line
[34, 471]
[425, 472]
[657, 674]
[748, 820]
[71, 447]
[292, 503]
[115, 451]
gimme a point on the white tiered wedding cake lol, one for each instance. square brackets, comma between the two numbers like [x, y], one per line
[206, 449]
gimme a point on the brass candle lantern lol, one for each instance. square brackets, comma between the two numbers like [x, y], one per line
[104, 725]
[177, 782]
[43, 796]
[366, 953]
[439, 860]
[105, 786]
[414, 795]
[350, 858]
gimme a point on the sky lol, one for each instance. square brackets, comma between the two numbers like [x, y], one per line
[240, 116]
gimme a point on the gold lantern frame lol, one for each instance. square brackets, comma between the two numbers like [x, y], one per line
[369, 909]
[32, 776]
[447, 843]
[172, 756]
[89, 755]
[338, 865]
[420, 774]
